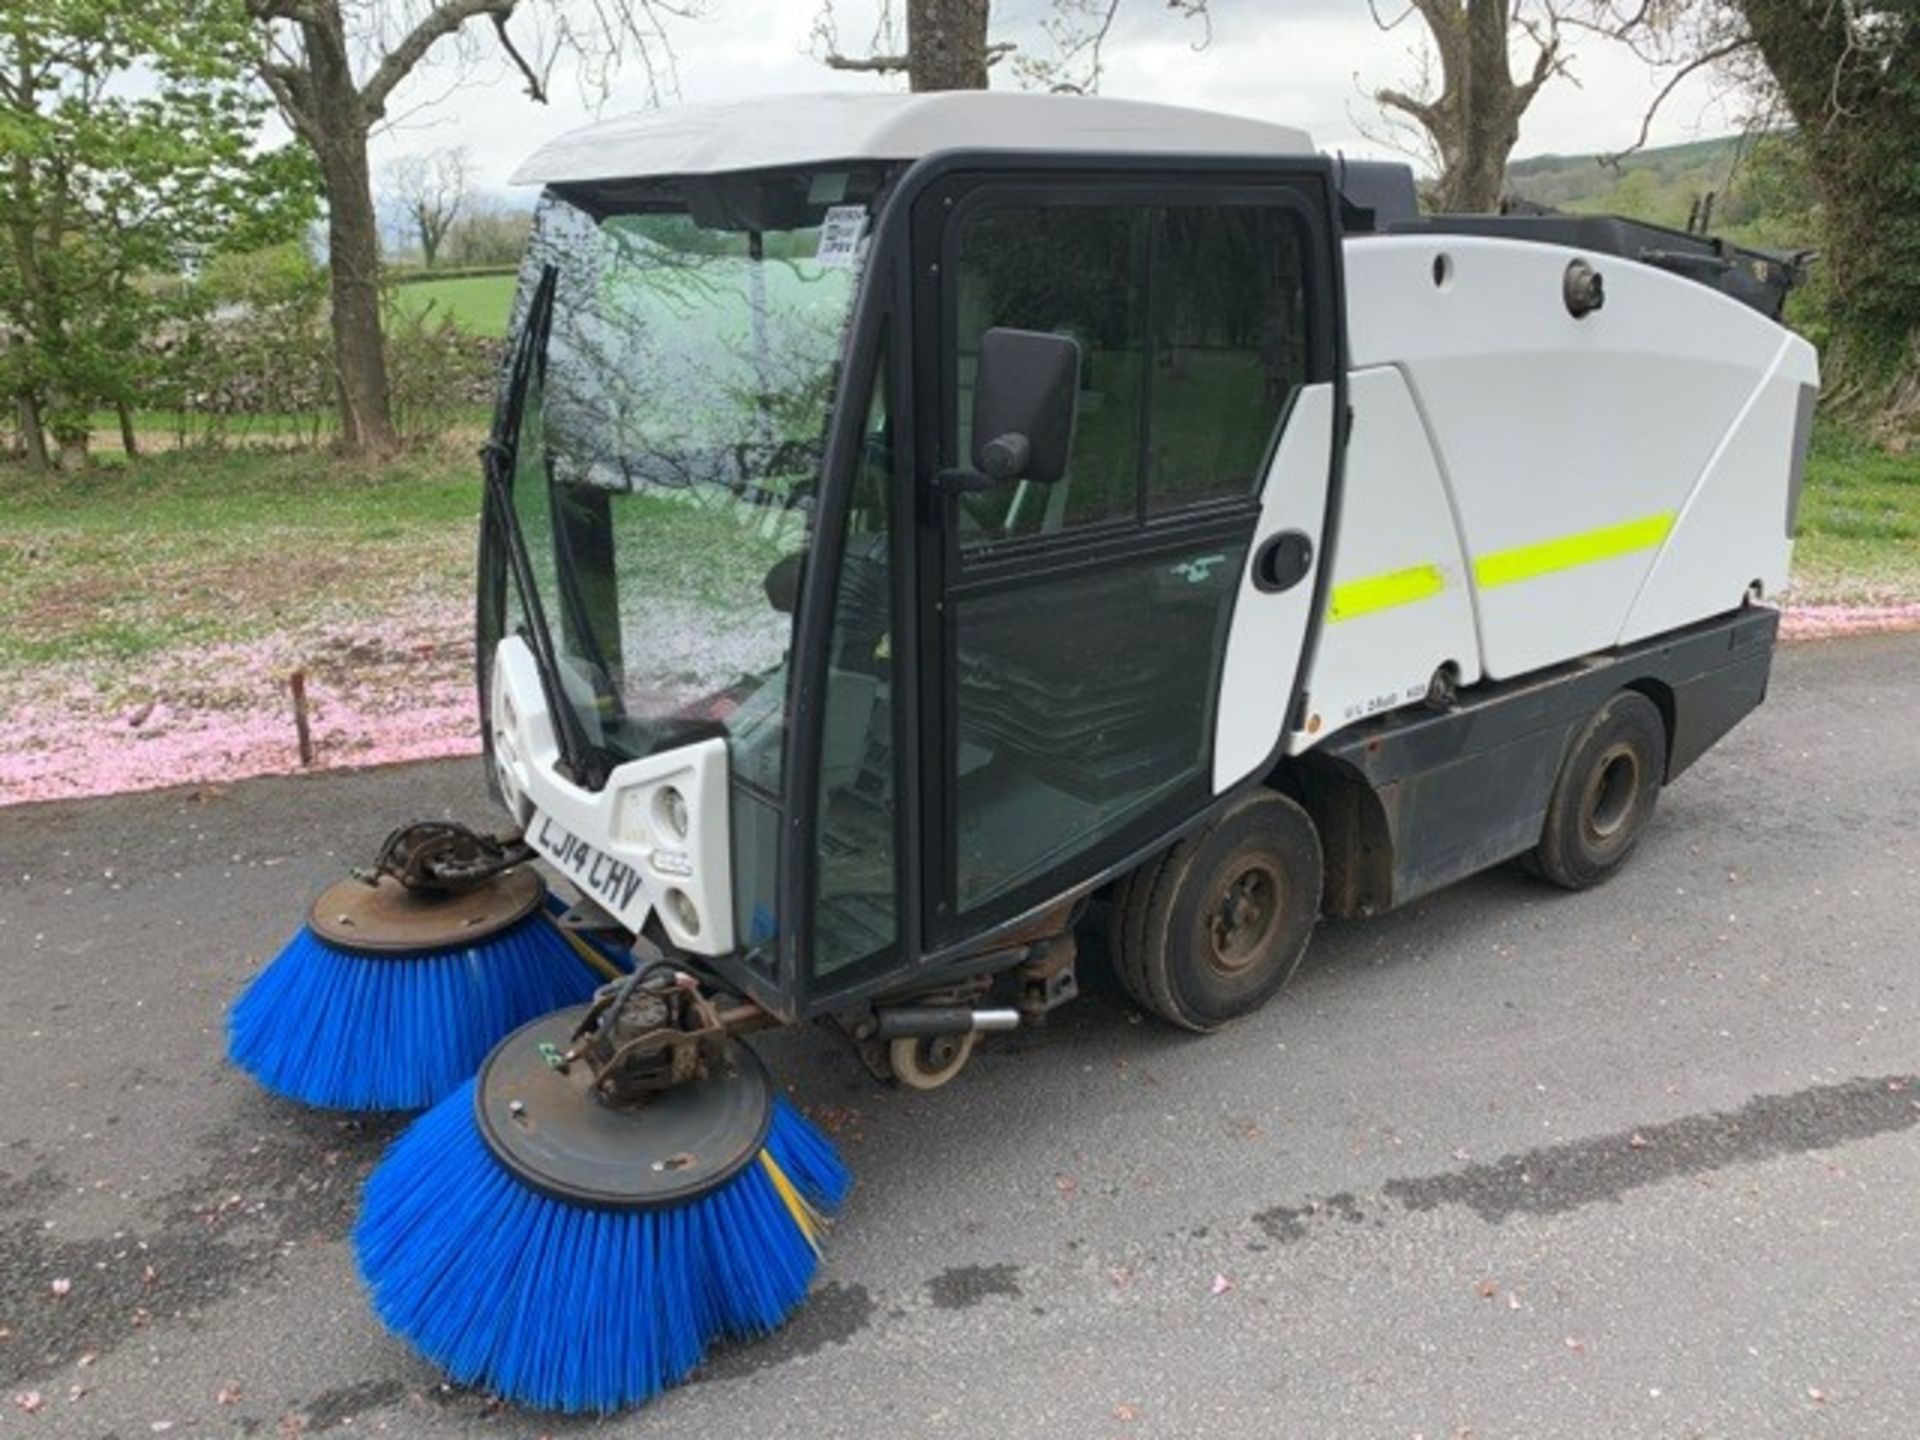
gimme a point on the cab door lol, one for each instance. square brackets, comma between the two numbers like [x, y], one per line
[1075, 633]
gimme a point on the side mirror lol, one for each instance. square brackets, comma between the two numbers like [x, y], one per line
[1026, 395]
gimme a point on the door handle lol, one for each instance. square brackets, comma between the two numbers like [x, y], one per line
[1282, 561]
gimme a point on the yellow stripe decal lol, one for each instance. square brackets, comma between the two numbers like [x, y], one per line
[1384, 592]
[804, 1215]
[588, 956]
[1524, 562]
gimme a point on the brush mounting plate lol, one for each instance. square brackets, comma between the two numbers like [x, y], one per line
[550, 1128]
[641, 1039]
[386, 918]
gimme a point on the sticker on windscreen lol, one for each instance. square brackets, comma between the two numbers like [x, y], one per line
[842, 237]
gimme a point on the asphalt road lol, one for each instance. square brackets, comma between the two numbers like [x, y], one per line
[1639, 1162]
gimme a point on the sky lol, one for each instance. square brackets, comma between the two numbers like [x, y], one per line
[1309, 63]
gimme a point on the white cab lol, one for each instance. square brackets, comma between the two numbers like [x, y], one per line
[817, 129]
[653, 839]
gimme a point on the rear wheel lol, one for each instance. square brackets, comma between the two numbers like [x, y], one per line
[1212, 928]
[1604, 799]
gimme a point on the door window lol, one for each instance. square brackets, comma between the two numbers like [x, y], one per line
[1193, 336]
[1084, 689]
[1229, 347]
[1076, 270]
[1084, 701]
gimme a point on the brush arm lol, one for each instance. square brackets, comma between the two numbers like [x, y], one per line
[441, 857]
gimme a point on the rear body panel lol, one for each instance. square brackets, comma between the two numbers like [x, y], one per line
[1415, 800]
[1402, 605]
[1610, 477]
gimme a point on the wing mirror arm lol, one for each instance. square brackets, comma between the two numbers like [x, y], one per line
[1003, 460]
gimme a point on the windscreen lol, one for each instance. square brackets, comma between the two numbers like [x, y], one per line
[670, 448]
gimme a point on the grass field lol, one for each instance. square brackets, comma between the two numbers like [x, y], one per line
[201, 548]
[476, 303]
[154, 610]
[1859, 523]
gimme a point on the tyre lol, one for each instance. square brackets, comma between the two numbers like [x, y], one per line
[1213, 927]
[1604, 799]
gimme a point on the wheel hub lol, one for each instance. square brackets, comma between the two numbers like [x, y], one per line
[1612, 794]
[1242, 914]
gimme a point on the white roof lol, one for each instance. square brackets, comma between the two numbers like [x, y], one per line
[805, 129]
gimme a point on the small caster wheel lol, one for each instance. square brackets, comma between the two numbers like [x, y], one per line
[926, 1062]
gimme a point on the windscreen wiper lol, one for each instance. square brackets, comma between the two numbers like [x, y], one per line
[578, 760]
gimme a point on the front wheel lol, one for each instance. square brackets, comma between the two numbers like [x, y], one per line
[1603, 801]
[1211, 929]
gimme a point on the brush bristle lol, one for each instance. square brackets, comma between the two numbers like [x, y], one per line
[354, 1032]
[562, 1307]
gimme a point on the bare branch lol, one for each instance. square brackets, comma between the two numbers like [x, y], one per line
[291, 92]
[444, 19]
[1701, 61]
[875, 64]
[1547, 60]
[1078, 32]
[1384, 25]
[1398, 100]
[536, 89]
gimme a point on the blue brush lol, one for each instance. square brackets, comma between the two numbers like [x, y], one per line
[563, 1305]
[397, 1029]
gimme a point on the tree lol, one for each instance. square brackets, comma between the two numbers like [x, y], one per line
[1471, 123]
[488, 233]
[1849, 75]
[333, 66]
[127, 127]
[1846, 74]
[431, 189]
[947, 45]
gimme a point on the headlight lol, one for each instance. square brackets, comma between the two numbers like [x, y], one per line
[685, 913]
[670, 811]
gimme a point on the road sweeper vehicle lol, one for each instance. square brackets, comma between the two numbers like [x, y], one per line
[913, 518]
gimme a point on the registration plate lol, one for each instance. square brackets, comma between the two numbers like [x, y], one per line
[615, 885]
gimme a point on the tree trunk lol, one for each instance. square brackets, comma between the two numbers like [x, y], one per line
[353, 264]
[1474, 122]
[947, 44]
[1489, 117]
[33, 436]
[129, 442]
[353, 257]
[72, 446]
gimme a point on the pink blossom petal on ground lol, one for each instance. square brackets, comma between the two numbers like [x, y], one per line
[1821, 622]
[382, 692]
